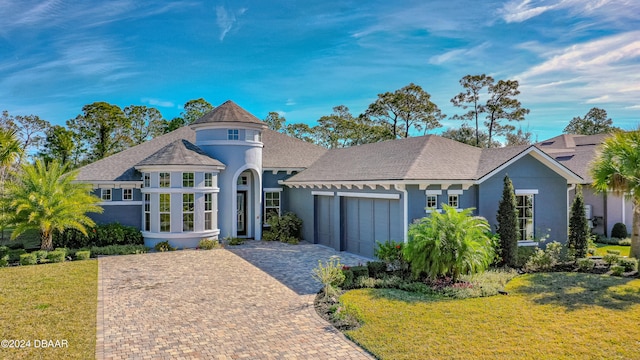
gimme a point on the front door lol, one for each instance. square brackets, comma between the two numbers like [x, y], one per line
[242, 213]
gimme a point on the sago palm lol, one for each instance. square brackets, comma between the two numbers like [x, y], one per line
[616, 168]
[44, 197]
[451, 243]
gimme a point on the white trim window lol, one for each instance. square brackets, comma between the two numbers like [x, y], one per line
[187, 212]
[127, 194]
[524, 208]
[208, 211]
[271, 204]
[208, 180]
[147, 212]
[187, 179]
[432, 201]
[105, 194]
[165, 212]
[146, 180]
[454, 200]
[165, 179]
[233, 134]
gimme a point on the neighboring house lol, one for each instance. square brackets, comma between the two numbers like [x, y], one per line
[220, 177]
[576, 152]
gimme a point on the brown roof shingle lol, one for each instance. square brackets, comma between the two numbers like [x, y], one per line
[574, 151]
[228, 112]
[180, 152]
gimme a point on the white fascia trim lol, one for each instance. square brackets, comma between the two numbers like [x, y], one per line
[231, 142]
[551, 163]
[180, 168]
[180, 190]
[369, 195]
[289, 171]
[105, 184]
[323, 193]
[229, 125]
[454, 192]
[526, 191]
[271, 189]
[431, 210]
[385, 184]
[184, 235]
[119, 203]
[433, 192]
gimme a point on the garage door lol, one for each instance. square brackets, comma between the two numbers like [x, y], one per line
[369, 220]
[323, 215]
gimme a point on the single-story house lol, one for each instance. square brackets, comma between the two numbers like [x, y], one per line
[576, 152]
[223, 174]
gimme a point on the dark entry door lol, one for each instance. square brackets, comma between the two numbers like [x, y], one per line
[242, 213]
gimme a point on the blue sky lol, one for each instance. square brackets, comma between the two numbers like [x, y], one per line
[302, 58]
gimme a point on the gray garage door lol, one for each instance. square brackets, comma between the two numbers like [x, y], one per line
[369, 220]
[323, 215]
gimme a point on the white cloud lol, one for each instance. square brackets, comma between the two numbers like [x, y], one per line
[521, 10]
[158, 102]
[290, 102]
[458, 54]
[600, 10]
[227, 19]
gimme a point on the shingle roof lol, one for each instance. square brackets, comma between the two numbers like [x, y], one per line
[280, 151]
[574, 151]
[180, 152]
[228, 112]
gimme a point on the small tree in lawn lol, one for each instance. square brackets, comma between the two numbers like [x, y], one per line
[508, 224]
[578, 226]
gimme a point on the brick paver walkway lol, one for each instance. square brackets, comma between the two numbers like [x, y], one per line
[216, 305]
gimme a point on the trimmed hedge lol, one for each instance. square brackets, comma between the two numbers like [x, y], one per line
[101, 235]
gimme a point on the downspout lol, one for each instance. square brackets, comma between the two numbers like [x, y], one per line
[606, 214]
[571, 187]
[405, 210]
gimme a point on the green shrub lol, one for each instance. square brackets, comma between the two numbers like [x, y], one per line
[14, 255]
[524, 254]
[330, 275]
[611, 259]
[41, 255]
[614, 252]
[4, 251]
[4, 262]
[377, 269]
[579, 232]
[118, 250]
[617, 270]
[585, 264]
[543, 260]
[624, 242]
[591, 251]
[101, 235]
[15, 246]
[452, 243]
[367, 282]
[56, 256]
[164, 246]
[348, 278]
[359, 271]
[83, 255]
[234, 241]
[619, 231]
[286, 228]
[507, 219]
[391, 253]
[629, 264]
[208, 244]
[28, 259]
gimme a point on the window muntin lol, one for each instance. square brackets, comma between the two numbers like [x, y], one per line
[243, 180]
[271, 204]
[208, 180]
[187, 179]
[105, 194]
[453, 201]
[233, 134]
[146, 180]
[165, 212]
[127, 194]
[524, 208]
[187, 212]
[432, 201]
[165, 180]
[147, 212]
[208, 211]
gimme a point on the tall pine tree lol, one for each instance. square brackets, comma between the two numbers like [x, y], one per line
[578, 226]
[507, 218]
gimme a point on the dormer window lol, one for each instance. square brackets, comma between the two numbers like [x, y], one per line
[233, 134]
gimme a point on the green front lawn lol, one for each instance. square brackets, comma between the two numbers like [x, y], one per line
[601, 249]
[544, 316]
[50, 302]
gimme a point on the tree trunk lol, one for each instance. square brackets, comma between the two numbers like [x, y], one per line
[635, 230]
[46, 239]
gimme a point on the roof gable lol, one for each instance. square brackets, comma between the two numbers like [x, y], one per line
[226, 113]
[180, 152]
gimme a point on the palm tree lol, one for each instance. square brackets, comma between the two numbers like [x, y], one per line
[452, 243]
[10, 152]
[617, 169]
[43, 197]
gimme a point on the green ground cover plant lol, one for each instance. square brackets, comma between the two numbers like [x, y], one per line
[544, 316]
[51, 301]
[601, 249]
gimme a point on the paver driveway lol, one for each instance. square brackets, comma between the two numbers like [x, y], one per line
[217, 305]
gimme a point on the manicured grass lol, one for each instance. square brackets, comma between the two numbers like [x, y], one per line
[601, 249]
[50, 302]
[545, 316]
